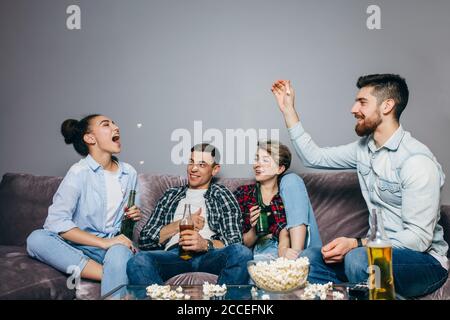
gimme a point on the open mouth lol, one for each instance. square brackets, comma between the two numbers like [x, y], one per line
[193, 176]
[116, 138]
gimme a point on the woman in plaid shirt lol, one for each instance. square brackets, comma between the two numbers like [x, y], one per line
[292, 226]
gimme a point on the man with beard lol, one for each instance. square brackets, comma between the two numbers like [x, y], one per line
[398, 175]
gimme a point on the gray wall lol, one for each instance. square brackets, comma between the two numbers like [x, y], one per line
[167, 63]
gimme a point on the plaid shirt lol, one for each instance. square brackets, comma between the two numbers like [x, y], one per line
[224, 216]
[246, 197]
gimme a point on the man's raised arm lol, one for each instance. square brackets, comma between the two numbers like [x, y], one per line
[342, 157]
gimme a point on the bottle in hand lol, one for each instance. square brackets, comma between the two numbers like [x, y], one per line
[262, 226]
[127, 226]
[186, 223]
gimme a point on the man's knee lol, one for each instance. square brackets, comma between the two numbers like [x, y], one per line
[239, 252]
[314, 255]
[356, 265]
[142, 269]
[139, 261]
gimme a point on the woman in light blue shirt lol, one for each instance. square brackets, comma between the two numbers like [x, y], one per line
[81, 234]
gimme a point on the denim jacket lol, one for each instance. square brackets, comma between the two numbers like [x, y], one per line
[402, 178]
[80, 200]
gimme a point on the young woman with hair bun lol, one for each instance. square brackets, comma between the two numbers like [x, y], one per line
[82, 229]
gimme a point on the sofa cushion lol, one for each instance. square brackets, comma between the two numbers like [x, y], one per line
[88, 290]
[22, 277]
[192, 278]
[24, 200]
[445, 223]
[443, 293]
[338, 204]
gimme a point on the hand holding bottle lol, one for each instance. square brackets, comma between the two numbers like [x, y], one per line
[255, 211]
[186, 224]
[191, 240]
[133, 213]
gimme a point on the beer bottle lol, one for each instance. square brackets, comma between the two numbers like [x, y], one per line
[127, 226]
[379, 252]
[262, 226]
[186, 223]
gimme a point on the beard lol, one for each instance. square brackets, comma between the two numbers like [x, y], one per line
[368, 126]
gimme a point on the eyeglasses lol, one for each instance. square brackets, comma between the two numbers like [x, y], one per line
[201, 165]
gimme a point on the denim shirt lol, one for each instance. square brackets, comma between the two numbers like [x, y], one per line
[80, 200]
[402, 178]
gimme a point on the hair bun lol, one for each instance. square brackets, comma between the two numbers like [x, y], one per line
[70, 130]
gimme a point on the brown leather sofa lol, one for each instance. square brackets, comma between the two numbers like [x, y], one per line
[24, 199]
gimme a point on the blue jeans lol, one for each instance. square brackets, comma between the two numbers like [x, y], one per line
[156, 267]
[265, 249]
[50, 248]
[298, 208]
[415, 273]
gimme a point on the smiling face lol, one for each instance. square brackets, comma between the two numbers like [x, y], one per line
[104, 135]
[367, 112]
[201, 169]
[265, 167]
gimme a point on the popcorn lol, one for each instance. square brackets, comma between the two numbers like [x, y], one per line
[281, 274]
[320, 291]
[338, 295]
[254, 293]
[312, 291]
[158, 292]
[210, 290]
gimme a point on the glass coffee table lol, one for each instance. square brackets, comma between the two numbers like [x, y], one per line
[235, 292]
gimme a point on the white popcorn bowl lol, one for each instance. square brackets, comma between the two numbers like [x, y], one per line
[276, 278]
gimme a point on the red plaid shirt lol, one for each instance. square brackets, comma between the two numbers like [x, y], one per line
[246, 197]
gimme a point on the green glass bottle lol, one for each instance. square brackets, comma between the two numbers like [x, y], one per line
[262, 226]
[127, 226]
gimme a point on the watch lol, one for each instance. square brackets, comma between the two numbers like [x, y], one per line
[359, 241]
[210, 245]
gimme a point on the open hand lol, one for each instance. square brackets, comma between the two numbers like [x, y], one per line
[284, 95]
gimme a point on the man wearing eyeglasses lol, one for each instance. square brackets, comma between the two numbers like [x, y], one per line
[216, 241]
